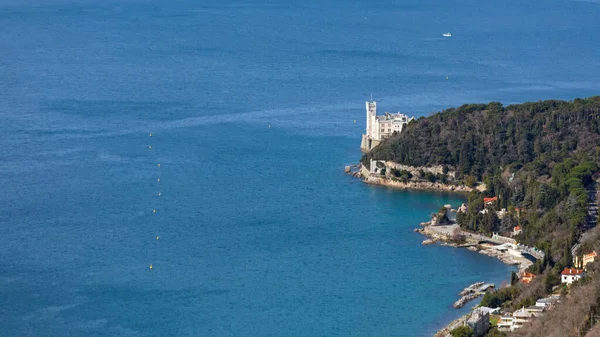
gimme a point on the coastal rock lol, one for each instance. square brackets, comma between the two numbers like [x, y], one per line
[428, 242]
[414, 170]
[347, 169]
[417, 185]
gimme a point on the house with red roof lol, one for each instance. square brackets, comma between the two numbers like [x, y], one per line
[489, 201]
[527, 278]
[569, 275]
[516, 231]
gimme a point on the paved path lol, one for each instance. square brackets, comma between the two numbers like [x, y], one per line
[448, 230]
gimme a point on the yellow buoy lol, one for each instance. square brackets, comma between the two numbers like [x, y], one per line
[150, 146]
[158, 180]
[150, 134]
[355, 121]
[446, 77]
[157, 237]
[153, 211]
[150, 266]
[158, 165]
[159, 194]
[269, 125]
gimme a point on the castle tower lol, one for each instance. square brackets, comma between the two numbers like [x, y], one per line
[371, 107]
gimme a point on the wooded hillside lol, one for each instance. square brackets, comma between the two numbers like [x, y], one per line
[480, 139]
[539, 160]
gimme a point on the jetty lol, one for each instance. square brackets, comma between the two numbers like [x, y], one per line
[472, 292]
[463, 300]
[470, 288]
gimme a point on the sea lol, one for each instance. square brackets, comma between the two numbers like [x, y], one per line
[175, 168]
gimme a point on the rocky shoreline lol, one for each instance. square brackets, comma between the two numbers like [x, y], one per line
[440, 234]
[417, 185]
[361, 172]
[443, 233]
[445, 331]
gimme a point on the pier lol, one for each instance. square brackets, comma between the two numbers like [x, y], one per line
[472, 292]
[470, 288]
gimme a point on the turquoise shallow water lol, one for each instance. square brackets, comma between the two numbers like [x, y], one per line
[260, 232]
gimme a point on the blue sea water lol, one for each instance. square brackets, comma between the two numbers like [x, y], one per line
[261, 234]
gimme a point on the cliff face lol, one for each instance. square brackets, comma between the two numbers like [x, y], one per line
[417, 185]
[374, 176]
[414, 170]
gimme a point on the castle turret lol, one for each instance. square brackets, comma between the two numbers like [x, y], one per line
[380, 127]
[371, 107]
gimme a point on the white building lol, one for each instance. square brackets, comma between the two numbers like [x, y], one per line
[505, 323]
[569, 275]
[516, 320]
[548, 302]
[381, 127]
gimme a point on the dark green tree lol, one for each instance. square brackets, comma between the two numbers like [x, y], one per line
[462, 331]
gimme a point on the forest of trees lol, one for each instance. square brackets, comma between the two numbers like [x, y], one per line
[538, 159]
[480, 139]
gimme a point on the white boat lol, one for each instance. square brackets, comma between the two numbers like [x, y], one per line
[447, 34]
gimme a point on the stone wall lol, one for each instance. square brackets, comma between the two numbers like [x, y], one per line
[414, 170]
[367, 144]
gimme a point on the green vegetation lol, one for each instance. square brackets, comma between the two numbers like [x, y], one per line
[482, 140]
[538, 159]
[401, 175]
[494, 299]
[556, 209]
[442, 216]
[462, 331]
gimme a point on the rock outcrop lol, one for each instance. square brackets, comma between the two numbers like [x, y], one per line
[417, 185]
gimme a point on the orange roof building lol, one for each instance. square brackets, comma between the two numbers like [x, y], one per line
[527, 277]
[572, 271]
[569, 275]
[516, 231]
[589, 258]
[489, 200]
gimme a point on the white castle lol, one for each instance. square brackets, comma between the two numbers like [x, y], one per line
[381, 127]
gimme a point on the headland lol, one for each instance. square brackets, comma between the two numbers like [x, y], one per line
[531, 202]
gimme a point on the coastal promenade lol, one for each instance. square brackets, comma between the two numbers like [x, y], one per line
[509, 253]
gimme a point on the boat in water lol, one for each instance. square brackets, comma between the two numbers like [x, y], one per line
[447, 34]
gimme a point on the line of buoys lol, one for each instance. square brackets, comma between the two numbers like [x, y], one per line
[158, 180]
[154, 210]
